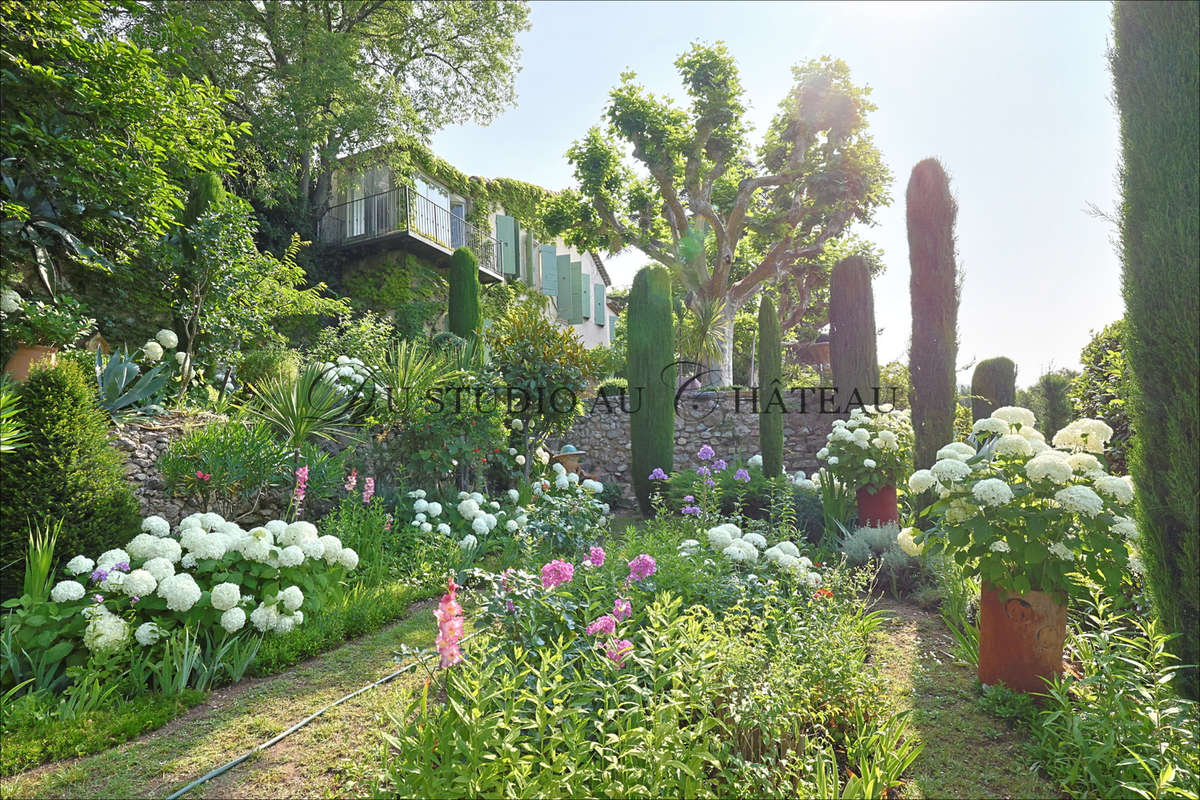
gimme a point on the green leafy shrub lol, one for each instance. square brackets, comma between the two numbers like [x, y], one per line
[269, 363]
[1102, 391]
[67, 470]
[651, 372]
[752, 498]
[240, 458]
[368, 336]
[1048, 399]
[993, 385]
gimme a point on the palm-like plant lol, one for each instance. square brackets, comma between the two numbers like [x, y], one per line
[12, 435]
[704, 339]
[411, 369]
[308, 407]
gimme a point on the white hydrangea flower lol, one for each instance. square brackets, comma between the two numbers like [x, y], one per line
[167, 338]
[993, 426]
[516, 425]
[468, 508]
[950, 471]
[296, 533]
[191, 521]
[105, 632]
[1032, 434]
[1061, 551]
[589, 485]
[291, 556]
[813, 579]
[188, 561]
[689, 546]
[169, 549]
[211, 520]
[113, 582]
[1084, 434]
[1015, 415]
[1117, 488]
[514, 495]
[520, 459]
[225, 596]
[468, 542]
[180, 591]
[435, 510]
[180, 358]
[147, 634]
[734, 553]
[110, 557]
[419, 493]
[1050, 465]
[479, 525]
[264, 617]
[755, 460]
[342, 361]
[80, 565]
[1011, 444]
[298, 617]
[788, 549]
[833, 460]
[869, 463]
[719, 538]
[561, 482]
[292, 598]
[152, 351]
[257, 544]
[421, 506]
[957, 451]
[67, 592]
[921, 480]
[277, 527]
[755, 539]
[1080, 499]
[209, 546]
[1125, 528]
[999, 546]
[443, 528]
[333, 549]
[992, 492]
[233, 620]
[426, 527]
[156, 526]
[417, 520]
[142, 546]
[906, 542]
[511, 526]
[313, 548]
[558, 468]
[1085, 464]
[139, 583]
[284, 624]
[348, 558]
[772, 554]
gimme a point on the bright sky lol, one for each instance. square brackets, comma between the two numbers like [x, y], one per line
[1013, 98]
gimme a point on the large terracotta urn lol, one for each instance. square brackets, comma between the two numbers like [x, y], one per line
[1021, 638]
[26, 356]
[879, 507]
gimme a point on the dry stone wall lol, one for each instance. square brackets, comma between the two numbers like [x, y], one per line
[725, 421]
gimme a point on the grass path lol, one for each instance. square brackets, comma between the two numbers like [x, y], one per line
[968, 752]
[338, 754]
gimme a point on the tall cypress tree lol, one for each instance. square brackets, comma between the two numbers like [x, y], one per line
[649, 353]
[993, 385]
[464, 294]
[931, 211]
[852, 354]
[1156, 73]
[770, 377]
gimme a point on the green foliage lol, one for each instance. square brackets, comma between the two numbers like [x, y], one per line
[367, 336]
[98, 139]
[124, 387]
[1156, 75]
[1103, 391]
[894, 375]
[13, 435]
[934, 287]
[750, 498]
[723, 223]
[1048, 398]
[770, 379]
[321, 80]
[306, 409]
[464, 294]
[1120, 729]
[58, 324]
[852, 352]
[241, 458]
[403, 288]
[651, 374]
[269, 363]
[993, 385]
[67, 470]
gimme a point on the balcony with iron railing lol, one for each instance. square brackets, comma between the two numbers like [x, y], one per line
[401, 215]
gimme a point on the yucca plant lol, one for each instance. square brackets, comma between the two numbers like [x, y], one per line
[412, 368]
[12, 434]
[310, 407]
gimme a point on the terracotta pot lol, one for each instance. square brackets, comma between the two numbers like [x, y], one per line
[879, 508]
[1021, 638]
[22, 361]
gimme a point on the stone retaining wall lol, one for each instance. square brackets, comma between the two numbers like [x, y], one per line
[722, 420]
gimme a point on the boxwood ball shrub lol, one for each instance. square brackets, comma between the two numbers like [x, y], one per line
[993, 385]
[67, 470]
[650, 354]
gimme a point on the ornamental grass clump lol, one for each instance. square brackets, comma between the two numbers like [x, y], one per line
[1027, 516]
[873, 448]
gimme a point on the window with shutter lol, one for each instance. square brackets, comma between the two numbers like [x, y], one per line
[549, 270]
[585, 302]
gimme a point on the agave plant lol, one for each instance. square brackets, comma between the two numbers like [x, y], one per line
[123, 386]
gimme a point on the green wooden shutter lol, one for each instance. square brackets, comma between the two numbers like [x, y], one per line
[575, 310]
[564, 286]
[507, 231]
[585, 302]
[598, 300]
[549, 270]
[531, 260]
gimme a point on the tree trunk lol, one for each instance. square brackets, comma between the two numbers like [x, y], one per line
[727, 316]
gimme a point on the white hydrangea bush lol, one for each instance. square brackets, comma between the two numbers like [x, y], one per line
[749, 548]
[1024, 514]
[348, 376]
[871, 448]
[209, 574]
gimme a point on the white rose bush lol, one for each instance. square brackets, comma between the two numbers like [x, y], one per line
[1026, 515]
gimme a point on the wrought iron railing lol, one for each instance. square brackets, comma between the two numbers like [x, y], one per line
[402, 210]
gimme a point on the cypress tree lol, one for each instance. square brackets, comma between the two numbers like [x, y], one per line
[852, 355]
[207, 190]
[464, 293]
[770, 378]
[933, 286]
[1156, 74]
[993, 385]
[649, 351]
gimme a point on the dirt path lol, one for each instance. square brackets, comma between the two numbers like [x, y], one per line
[339, 754]
[968, 752]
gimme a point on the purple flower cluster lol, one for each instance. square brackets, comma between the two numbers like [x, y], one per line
[719, 465]
[741, 475]
[690, 510]
[557, 572]
[703, 470]
[705, 453]
[622, 609]
[99, 575]
[658, 474]
[641, 567]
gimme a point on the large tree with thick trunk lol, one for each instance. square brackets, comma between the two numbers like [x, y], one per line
[317, 79]
[725, 219]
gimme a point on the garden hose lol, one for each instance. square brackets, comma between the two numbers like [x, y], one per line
[280, 737]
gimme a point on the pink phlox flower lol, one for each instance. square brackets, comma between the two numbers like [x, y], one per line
[642, 567]
[557, 572]
[595, 557]
[617, 651]
[606, 624]
[622, 609]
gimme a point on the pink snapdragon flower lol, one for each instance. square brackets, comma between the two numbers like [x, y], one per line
[352, 480]
[301, 487]
[642, 567]
[450, 626]
[617, 651]
[557, 572]
[368, 489]
[622, 609]
[606, 624]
